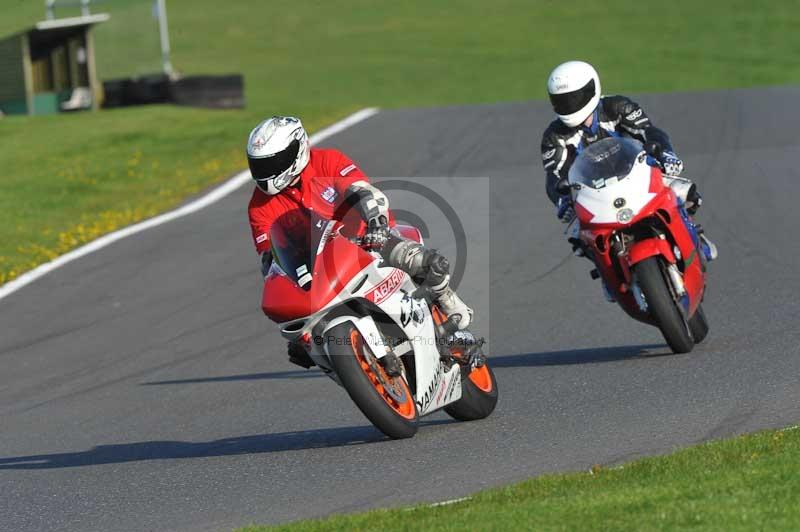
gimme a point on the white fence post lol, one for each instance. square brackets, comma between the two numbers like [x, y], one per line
[49, 6]
[163, 28]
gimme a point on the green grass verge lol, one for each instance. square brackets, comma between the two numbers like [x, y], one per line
[66, 179]
[745, 483]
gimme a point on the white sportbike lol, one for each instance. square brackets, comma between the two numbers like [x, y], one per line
[371, 328]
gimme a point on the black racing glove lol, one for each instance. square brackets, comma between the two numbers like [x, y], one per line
[670, 163]
[375, 237]
[654, 149]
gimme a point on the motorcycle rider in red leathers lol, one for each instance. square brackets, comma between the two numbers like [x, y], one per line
[290, 175]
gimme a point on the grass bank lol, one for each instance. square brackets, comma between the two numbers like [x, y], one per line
[745, 483]
[66, 179]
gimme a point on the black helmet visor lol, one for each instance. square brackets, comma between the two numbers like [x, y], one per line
[572, 102]
[273, 165]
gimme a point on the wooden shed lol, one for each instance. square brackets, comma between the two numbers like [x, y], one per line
[50, 68]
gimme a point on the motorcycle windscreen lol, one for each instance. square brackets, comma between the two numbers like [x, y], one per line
[295, 237]
[605, 162]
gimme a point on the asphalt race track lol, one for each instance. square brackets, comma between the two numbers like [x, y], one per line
[141, 388]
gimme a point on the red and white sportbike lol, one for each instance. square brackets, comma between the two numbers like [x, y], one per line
[637, 231]
[371, 328]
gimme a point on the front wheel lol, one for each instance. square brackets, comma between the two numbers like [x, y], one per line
[386, 401]
[662, 306]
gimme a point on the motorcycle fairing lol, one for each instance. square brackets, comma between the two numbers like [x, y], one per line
[644, 249]
[337, 284]
[596, 206]
[647, 196]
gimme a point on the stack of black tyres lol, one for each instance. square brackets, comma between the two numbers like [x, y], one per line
[216, 92]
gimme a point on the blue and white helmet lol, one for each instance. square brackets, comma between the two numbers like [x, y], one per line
[574, 89]
[277, 151]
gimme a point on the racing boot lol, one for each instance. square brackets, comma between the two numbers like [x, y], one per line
[433, 269]
[709, 248]
[692, 199]
[457, 312]
[466, 349]
[693, 202]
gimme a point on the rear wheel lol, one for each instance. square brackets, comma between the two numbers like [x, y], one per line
[478, 394]
[698, 324]
[662, 306]
[386, 401]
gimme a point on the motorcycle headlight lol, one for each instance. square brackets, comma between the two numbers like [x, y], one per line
[624, 215]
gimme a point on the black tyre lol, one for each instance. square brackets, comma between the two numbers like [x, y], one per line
[478, 394]
[662, 306]
[386, 401]
[698, 324]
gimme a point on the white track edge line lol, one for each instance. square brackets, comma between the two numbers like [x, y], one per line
[449, 502]
[212, 197]
[436, 504]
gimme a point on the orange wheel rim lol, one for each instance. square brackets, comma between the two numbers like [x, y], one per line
[389, 388]
[481, 378]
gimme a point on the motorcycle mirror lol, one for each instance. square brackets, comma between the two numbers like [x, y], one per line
[563, 186]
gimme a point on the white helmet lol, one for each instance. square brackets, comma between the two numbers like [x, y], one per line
[277, 151]
[574, 89]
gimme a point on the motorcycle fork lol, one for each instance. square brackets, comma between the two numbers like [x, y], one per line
[611, 250]
[671, 272]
